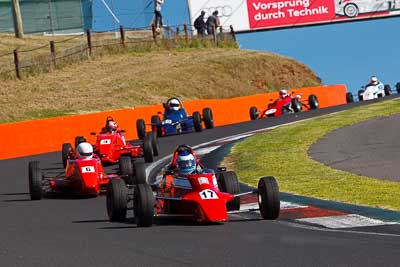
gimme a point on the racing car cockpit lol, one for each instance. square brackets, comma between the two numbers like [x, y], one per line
[174, 109]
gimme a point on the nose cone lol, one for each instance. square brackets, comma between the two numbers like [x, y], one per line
[91, 184]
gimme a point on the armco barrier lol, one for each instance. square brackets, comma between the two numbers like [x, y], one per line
[46, 135]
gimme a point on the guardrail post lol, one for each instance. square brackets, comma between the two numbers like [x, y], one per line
[89, 41]
[233, 33]
[214, 34]
[185, 29]
[53, 53]
[122, 31]
[153, 30]
[16, 63]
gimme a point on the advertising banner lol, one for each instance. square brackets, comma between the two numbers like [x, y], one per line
[249, 15]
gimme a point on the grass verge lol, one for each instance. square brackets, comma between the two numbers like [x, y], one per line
[282, 153]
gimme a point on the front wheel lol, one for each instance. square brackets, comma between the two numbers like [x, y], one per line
[229, 183]
[140, 173]
[296, 105]
[35, 181]
[268, 198]
[360, 95]
[116, 200]
[78, 140]
[349, 98]
[65, 150]
[387, 89]
[144, 205]
[253, 113]
[154, 143]
[156, 125]
[208, 118]
[313, 102]
[350, 10]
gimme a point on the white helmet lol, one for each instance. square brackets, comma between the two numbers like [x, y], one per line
[112, 126]
[283, 93]
[84, 150]
[374, 80]
[174, 104]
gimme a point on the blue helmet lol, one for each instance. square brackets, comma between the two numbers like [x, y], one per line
[186, 162]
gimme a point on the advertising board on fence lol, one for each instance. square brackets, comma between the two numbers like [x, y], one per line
[249, 15]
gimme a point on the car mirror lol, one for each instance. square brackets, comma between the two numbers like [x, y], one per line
[159, 113]
[122, 131]
[92, 133]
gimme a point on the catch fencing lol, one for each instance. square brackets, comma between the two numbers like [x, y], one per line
[65, 50]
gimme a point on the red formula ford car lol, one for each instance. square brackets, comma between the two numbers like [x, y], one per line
[189, 190]
[285, 104]
[83, 176]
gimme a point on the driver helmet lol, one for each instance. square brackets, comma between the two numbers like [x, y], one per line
[174, 104]
[112, 126]
[283, 93]
[186, 162]
[84, 151]
[374, 80]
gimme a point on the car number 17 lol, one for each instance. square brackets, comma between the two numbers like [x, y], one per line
[208, 194]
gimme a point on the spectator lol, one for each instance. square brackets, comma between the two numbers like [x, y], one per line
[200, 25]
[212, 20]
[157, 13]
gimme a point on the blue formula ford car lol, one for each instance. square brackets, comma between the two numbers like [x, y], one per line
[176, 121]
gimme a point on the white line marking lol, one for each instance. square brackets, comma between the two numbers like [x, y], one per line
[206, 150]
[344, 221]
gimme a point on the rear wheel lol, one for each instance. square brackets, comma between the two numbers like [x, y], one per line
[360, 95]
[35, 181]
[140, 128]
[398, 87]
[268, 198]
[78, 140]
[140, 173]
[313, 102]
[387, 89]
[66, 148]
[143, 205]
[155, 124]
[147, 149]
[253, 113]
[296, 105]
[349, 98]
[126, 168]
[116, 200]
[350, 10]
[229, 183]
[197, 122]
[208, 118]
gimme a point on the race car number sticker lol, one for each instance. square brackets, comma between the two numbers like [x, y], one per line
[87, 169]
[203, 180]
[167, 122]
[208, 194]
[105, 142]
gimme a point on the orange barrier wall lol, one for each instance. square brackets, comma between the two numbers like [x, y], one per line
[47, 135]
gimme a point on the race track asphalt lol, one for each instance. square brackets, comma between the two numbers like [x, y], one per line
[370, 148]
[76, 232]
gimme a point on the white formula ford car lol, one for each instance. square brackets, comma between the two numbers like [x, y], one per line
[352, 8]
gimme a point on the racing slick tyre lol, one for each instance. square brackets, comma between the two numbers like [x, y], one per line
[360, 96]
[143, 205]
[398, 87]
[350, 10]
[268, 198]
[296, 105]
[126, 168]
[197, 122]
[387, 89]
[66, 148]
[208, 118]
[253, 113]
[155, 121]
[78, 140]
[349, 98]
[147, 148]
[229, 183]
[154, 143]
[116, 200]
[35, 181]
[140, 128]
[313, 102]
[140, 173]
